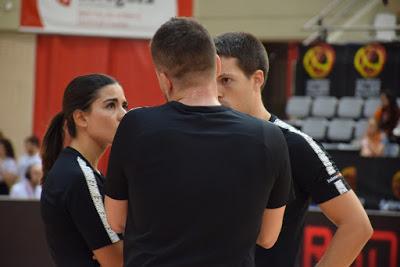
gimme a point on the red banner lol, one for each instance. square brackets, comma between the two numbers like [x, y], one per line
[61, 58]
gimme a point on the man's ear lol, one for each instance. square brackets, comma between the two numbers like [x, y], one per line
[80, 118]
[218, 65]
[165, 83]
[258, 78]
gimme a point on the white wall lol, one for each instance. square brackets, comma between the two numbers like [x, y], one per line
[17, 58]
[9, 18]
[267, 19]
[272, 20]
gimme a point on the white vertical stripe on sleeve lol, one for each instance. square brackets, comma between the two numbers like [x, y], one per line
[96, 198]
[320, 153]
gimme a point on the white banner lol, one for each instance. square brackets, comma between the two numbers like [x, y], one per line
[114, 18]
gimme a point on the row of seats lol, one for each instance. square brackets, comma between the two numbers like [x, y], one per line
[300, 107]
[335, 130]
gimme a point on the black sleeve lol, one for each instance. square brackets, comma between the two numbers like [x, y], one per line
[282, 191]
[314, 170]
[116, 181]
[86, 208]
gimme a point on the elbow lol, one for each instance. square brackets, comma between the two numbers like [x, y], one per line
[367, 230]
[119, 229]
[116, 226]
[362, 229]
[267, 243]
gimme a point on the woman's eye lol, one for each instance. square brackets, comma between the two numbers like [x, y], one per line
[110, 105]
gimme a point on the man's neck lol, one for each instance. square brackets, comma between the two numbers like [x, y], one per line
[260, 112]
[202, 95]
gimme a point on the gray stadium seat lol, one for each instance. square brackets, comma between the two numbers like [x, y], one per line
[324, 107]
[370, 106]
[350, 107]
[340, 130]
[315, 127]
[298, 107]
[360, 128]
[392, 150]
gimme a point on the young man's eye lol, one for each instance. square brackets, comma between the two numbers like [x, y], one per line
[226, 80]
[125, 106]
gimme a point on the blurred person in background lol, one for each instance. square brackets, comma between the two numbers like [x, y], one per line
[76, 226]
[30, 157]
[374, 141]
[388, 114]
[244, 72]
[8, 166]
[29, 187]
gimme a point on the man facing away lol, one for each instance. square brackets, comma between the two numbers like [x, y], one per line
[192, 183]
[244, 70]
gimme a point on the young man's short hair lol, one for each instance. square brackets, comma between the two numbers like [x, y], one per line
[182, 46]
[246, 48]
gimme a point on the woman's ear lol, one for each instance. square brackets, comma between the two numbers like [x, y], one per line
[80, 118]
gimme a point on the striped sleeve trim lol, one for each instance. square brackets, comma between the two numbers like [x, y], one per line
[96, 198]
[330, 169]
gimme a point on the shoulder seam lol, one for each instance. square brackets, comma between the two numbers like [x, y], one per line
[311, 142]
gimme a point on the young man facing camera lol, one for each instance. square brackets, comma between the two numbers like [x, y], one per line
[244, 71]
[192, 183]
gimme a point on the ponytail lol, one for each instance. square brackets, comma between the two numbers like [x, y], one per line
[53, 143]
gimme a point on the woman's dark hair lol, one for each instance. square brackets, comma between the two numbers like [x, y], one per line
[8, 148]
[80, 93]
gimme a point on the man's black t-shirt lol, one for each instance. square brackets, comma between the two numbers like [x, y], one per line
[315, 176]
[73, 211]
[197, 180]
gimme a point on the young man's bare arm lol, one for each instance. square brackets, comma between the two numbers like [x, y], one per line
[354, 230]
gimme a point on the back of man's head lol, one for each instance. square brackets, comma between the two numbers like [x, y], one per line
[182, 47]
[246, 48]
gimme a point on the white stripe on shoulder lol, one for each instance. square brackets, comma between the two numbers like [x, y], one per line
[96, 198]
[317, 149]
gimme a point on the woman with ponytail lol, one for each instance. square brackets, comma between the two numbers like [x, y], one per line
[77, 230]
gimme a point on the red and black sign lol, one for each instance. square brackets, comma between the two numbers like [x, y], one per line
[382, 250]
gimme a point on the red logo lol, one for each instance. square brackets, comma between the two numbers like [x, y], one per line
[317, 239]
[65, 2]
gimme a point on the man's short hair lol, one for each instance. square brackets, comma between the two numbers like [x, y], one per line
[246, 48]
[182, 46]
[33, 140]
